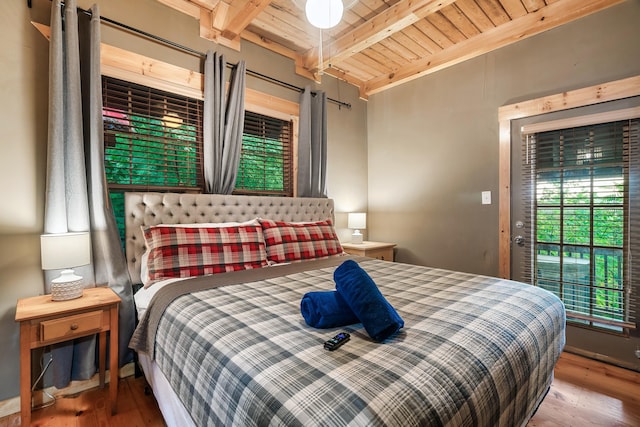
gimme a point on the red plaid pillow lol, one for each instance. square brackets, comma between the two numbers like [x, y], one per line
[291, 241]
[194, 251]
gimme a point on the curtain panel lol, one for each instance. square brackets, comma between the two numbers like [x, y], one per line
[223, 123]
[312, 144]
[76, 194]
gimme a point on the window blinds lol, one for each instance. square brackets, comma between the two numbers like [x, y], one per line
[267, 156]
[581, 186]
[153, 139]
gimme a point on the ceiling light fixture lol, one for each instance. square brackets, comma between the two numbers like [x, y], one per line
[324, 14]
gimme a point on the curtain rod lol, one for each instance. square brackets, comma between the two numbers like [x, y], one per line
[202, 55]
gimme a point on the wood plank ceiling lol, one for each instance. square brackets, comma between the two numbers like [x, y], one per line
[382, 43]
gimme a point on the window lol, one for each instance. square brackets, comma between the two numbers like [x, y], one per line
[153, 139]
[585, 220]
[266, 156]
[153, 142]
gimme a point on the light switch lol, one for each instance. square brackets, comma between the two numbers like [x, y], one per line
[486, 197]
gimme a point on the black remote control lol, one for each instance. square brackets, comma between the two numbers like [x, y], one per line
[337, 341]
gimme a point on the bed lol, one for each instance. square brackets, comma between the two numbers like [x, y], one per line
[232, 348]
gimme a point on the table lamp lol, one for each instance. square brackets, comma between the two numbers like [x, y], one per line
[65, 251]
[357, 221]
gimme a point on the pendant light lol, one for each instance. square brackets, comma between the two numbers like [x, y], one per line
[324, 14]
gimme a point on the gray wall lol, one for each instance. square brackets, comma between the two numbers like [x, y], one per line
[433, 146]
[23, 120]
[433, 142]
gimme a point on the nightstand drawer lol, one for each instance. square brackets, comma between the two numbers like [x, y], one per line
[378, 250]
[383, 254]
[70, 326]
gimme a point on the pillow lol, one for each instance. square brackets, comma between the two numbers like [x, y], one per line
[291, 241]
[144, 269]
[187, 251]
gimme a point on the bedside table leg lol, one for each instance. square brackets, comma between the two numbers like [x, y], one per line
[25, 374]
[102, 355]
[113, 359]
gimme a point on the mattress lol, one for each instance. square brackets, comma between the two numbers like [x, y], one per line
[234, 350]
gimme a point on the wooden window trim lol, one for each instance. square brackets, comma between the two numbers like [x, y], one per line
[125, 65]
[136, 68]
[129, 66]
[591, 95]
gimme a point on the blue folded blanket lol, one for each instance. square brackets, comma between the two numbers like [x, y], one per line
[378, 317]
[326, 309]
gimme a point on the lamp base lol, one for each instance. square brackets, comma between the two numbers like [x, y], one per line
[356, 237]
[67, 286]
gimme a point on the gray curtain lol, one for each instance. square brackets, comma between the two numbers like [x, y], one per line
[312, 144]
[76, 194]
[223, 124]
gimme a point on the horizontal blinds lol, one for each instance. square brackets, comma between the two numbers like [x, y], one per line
[580, 181]
[153, 139]
[266, 158]
[632, 226]
[528, 210]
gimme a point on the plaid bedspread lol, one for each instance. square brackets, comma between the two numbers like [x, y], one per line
[475, 350]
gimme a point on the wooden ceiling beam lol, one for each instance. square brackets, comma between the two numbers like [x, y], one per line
[383, 25]
[242, 19]
[533, 5]
[546, 18]
[207, 4]
[223, 25]
[210, 23]
[279, 49]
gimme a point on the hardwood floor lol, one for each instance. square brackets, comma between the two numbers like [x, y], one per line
[589, 393]
[90, 409]
[584, 393]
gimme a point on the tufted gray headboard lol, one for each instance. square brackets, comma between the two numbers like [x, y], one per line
[143, 209]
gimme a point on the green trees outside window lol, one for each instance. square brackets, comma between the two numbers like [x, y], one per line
[580, 220]
[153, 142]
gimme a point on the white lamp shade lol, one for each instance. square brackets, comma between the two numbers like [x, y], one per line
[65, 250]
[357, 220]
[324, 14]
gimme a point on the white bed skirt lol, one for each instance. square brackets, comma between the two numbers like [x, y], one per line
[173, 411]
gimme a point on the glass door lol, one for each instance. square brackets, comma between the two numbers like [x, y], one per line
[575, 220]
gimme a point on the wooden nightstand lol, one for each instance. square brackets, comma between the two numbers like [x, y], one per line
[379, 250]
[44, 322]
